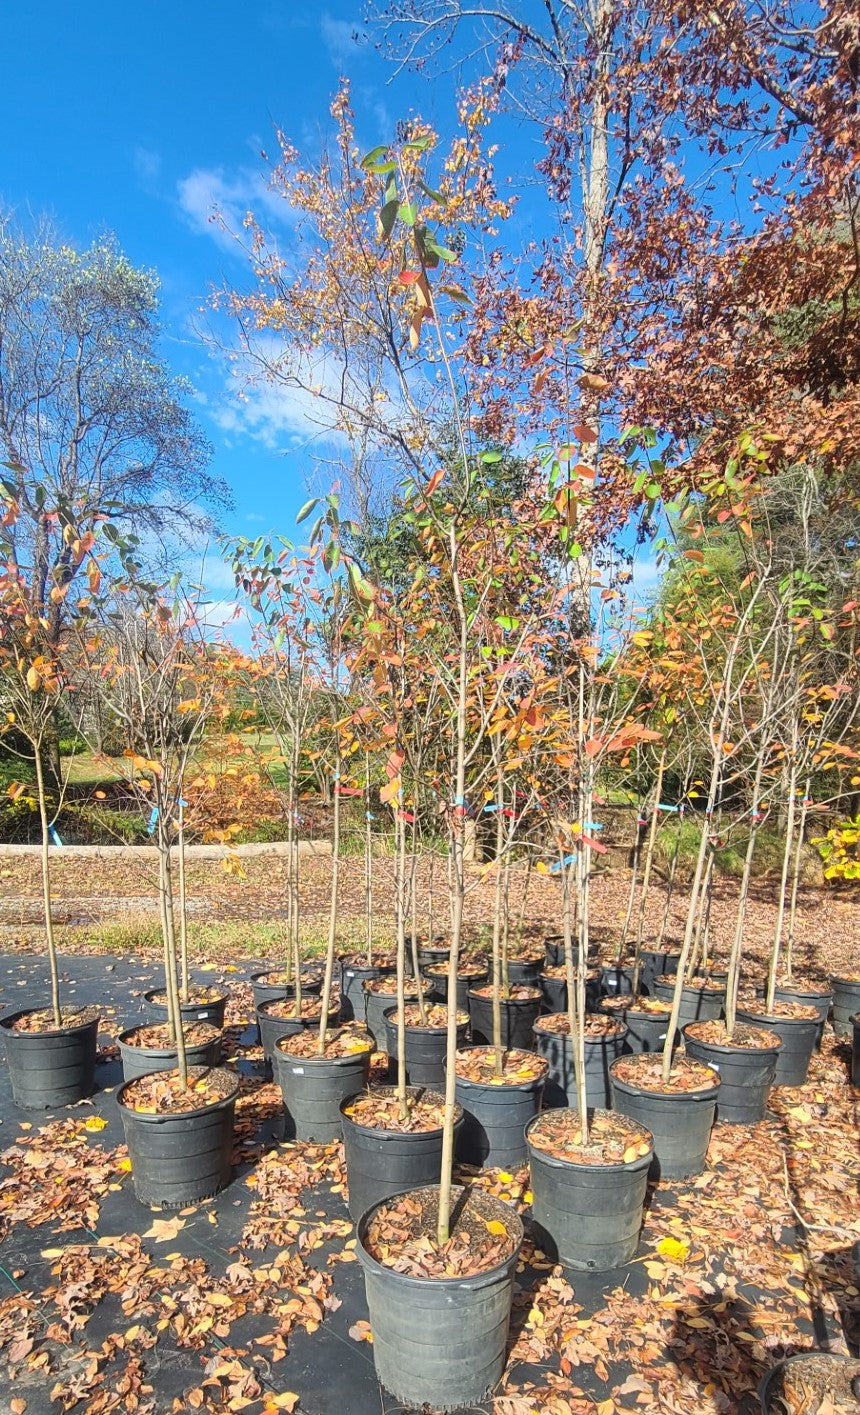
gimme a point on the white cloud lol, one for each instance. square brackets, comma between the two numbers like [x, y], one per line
[342, 38]
[147, 167]
[215, 202]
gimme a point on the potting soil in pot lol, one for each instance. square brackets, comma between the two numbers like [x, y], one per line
[162, 1093]
[41, 1021]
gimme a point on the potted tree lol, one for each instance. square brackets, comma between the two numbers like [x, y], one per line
[155, 670]
[50, 1050]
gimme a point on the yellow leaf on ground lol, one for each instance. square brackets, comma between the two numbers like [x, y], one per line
[673, 1250]
[94, 1123]
[496, 1226]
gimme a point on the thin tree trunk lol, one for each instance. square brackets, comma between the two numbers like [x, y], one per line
[695, 888]
[400, 956]
[443, 1225]
[497, 925]
[646, 876]
[368, 862]
[183, 911]
[673, 870]
[732, 984]
[631, 896]
[787, 852]
[172, 982]
[332, 916]
[46, 887]
[795, 879]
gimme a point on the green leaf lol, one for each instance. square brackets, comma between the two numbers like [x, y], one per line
[489, 457]
[388, 216]
[377, 160]
[418, 144]
[441, 252]
[407, 213]
[429, 192]
[305, 511]
[652, 491]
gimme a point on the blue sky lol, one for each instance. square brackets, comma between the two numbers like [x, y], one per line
[137, 120]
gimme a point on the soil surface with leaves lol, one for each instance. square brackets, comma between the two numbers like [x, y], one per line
[254, 1300]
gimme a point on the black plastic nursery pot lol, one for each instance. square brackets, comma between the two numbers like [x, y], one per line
[425, 1050]
[554, 950]
[653, 963]
[746, 1074]
[264, 990]
[313, 1088]
[376, 1004]
[438, 976]
[646, 1030]
[183, 1158]
[846, 1002]
[382, 1162]
[440, 1342]
[143, 1061]
[615, 978]
[700, 1002]
[431, 955]
[494, 1120]
[554, 992]
[770, 1391]
[798, 1034]
[855, 1051]
[352, 979]
[519, 1015]
[50, 1069]
[273, 1028]
[589, 1216]
[819, 998]
[557, 1051]
[679, 1121]
[525, 971]
[211, 1011]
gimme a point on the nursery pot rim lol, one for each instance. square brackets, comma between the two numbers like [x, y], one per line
[10, 1017]
[620, 1028]
[382, 1130]
[762, 1388]
[159, 1117]
[511, 1219]
[168, 1050]
[815, 989]
[732, 1048]
[749, 1011]
[351, 1056]
[273, 1001]
[505, 1084]
[641, 1161]
[204, 1002]
[536, 995]
[706, 1092]
[462, 1021]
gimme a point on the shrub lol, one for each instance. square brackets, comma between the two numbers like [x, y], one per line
[840, 850]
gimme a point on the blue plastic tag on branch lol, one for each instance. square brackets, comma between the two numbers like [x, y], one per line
[663, 807]
[153, 820]
[561, 864]
[54, 836]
